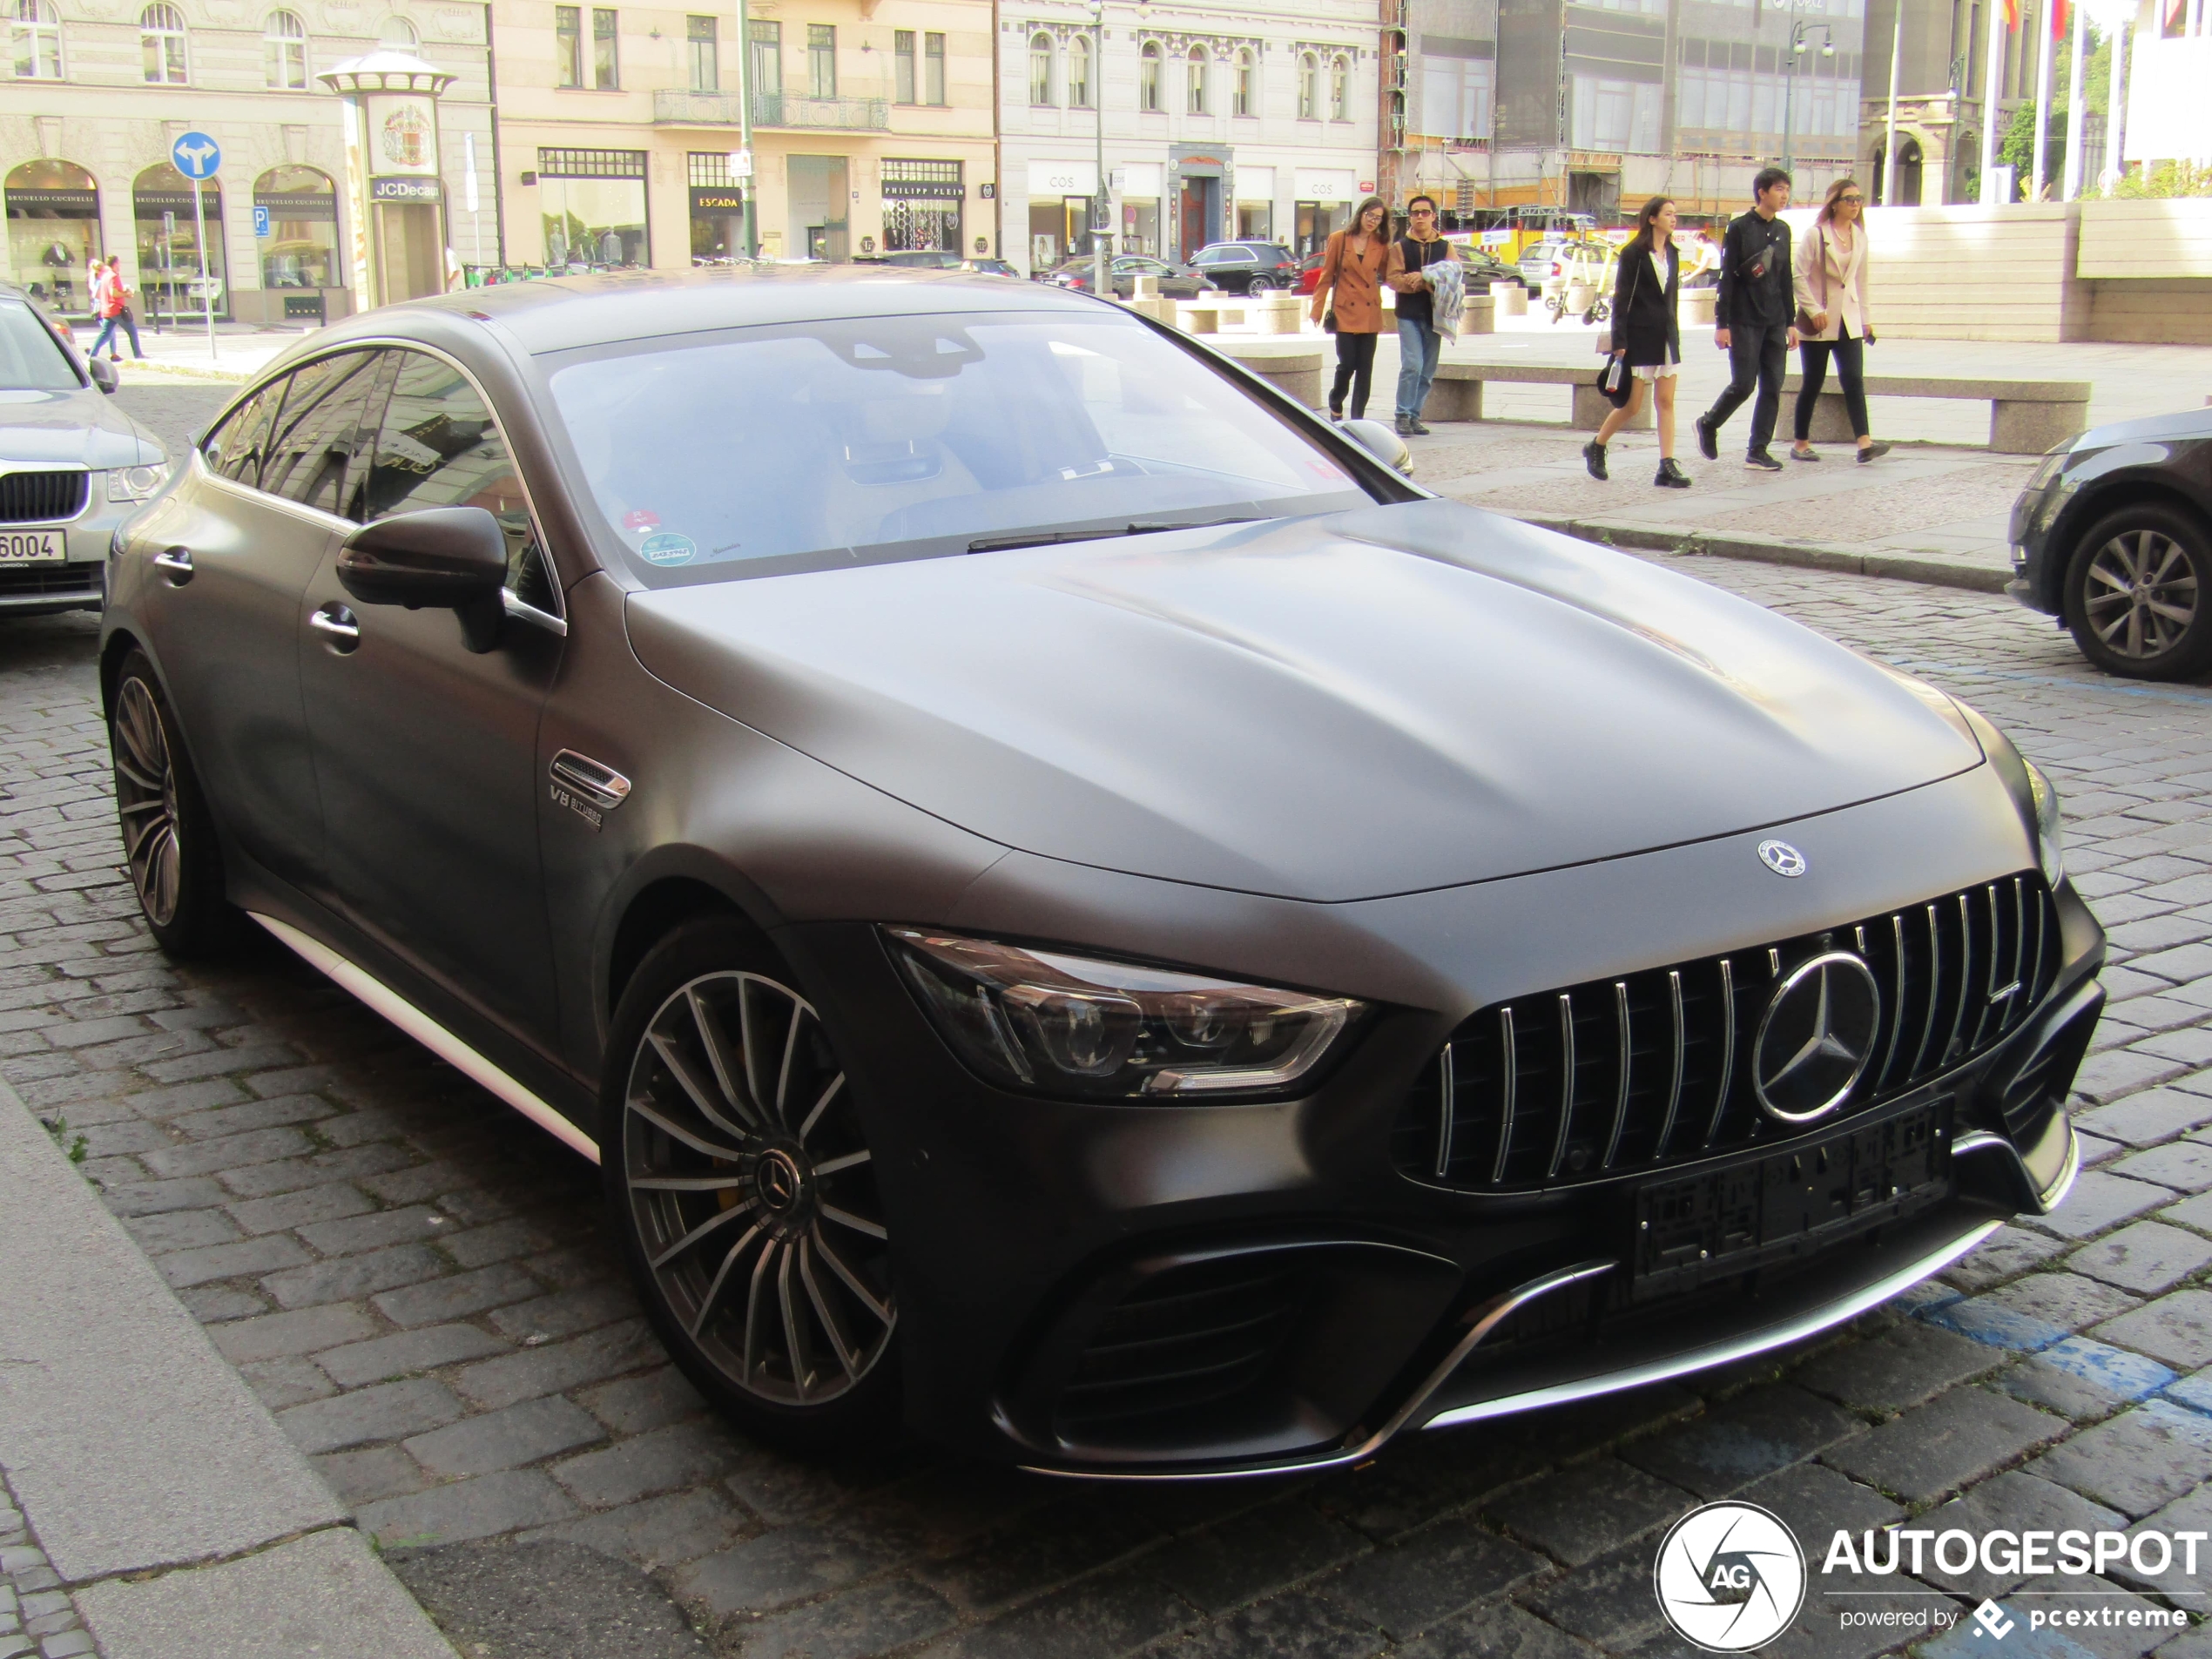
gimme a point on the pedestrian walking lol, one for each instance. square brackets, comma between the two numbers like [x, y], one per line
[1419, 343]
[1645, 340]
[1752, 319]
[1350, 290]
[1702, 262]
[1833, 316]
[111, 303]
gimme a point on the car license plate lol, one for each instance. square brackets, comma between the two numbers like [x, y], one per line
[32, 547]
[1789, 1202]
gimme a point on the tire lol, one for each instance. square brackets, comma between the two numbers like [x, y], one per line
[169, 842]
[739, 1182]
[1259, 284]
[2138, 594]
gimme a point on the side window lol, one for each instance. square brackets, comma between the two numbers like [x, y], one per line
[439, 447]
[321, 431]
[234, 449]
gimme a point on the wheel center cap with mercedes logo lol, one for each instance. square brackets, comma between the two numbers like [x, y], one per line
[1816, 1037]
[780, 1186]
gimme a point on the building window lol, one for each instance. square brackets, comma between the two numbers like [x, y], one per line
[161, 40]
[605, 68]
[768, 59]
[822, 60]
[37, 36]
[921, 204]
[1147, 77]
[701, 36]
[933, 69]
[1247, 79]
[567, 46]
[1079, 72]
[1340, 89]
[284, 51]
[902, 54]
[1309, 88]
[592, 207]
[1193, 81]
[399, 34]
[1040, 69]
[301, 248]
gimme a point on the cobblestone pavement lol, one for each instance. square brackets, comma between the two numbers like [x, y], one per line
[37, 1619]
[414, 1281]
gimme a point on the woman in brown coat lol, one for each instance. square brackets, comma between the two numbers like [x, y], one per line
[1351, 271]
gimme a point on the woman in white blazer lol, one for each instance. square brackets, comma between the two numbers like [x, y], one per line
[1831, 284]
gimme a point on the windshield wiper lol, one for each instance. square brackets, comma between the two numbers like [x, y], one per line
[1137, 527]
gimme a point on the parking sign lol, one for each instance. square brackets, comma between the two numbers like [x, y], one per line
[261, 221]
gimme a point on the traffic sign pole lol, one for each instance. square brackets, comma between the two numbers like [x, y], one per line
[197, 156]
[207, 294]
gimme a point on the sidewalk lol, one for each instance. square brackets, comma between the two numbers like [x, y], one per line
[158, 1508]
[180, 351]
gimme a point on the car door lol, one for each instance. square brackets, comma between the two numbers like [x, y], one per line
[424, 750]
[234, 548]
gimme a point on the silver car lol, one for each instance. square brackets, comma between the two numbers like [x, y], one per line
[72, 466]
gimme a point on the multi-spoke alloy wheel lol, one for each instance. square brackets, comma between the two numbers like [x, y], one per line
[750, 1193]
[145, 801]
[2135, 594]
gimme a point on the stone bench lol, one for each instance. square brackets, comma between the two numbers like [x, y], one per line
[1457, 392]
[1297, 372]
[2026, 417]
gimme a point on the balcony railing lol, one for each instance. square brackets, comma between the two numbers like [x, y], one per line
[676, 108]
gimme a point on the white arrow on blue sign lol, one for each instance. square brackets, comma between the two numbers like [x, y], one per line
[196, 155]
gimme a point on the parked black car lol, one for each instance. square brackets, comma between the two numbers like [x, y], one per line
[1248, 267]
[2113, 535]
[1074, 904]
[1176, 281]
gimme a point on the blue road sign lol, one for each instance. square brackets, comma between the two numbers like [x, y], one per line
[196, 155]
[261, 221]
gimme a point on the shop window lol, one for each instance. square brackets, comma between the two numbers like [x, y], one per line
[921, 205]
[902, 55]
[592, 207]
[53, 232]
[606, 67]
[161, 44]
[1040, 69]
[933, 69]
[700, 36]
[1193, 81]
[1340, 89]
[1309, 88]
[1079, 72]
[301, 248]
[35, 31]
[567, 46]
[1147, 77]
[172, 276]
[822, 60]
[284, 52]
[1247, 81]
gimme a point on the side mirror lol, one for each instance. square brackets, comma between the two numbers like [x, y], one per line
[1381, 442]
[102, 373]
[450, 558]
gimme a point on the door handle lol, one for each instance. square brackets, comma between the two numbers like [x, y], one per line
[338, 626]
[176, 564]
[595, 781]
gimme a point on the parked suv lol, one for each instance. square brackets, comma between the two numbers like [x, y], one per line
[1248, 267]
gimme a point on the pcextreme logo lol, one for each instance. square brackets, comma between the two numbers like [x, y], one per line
[1730, 1577]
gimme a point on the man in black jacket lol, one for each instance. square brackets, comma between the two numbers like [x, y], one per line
[1754, 319]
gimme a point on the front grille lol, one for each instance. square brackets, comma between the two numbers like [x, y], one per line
[41, 497]
[22, 580]
[1186, 1337]
[1654, 1070]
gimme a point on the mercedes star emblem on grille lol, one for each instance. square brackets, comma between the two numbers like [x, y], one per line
[1782, 858]
[1816, 1037]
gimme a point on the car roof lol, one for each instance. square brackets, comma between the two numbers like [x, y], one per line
[561, 314]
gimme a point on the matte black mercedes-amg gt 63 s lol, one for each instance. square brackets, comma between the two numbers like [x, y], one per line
[1077, 908]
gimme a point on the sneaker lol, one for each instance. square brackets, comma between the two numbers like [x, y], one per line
[1406, 426]
[1873, 452]
[1414, 422]
[1671, 476]
[1593, 458]
[1795, 453]
[1708, 438]
[1760, 460]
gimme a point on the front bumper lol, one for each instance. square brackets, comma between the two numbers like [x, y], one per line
[76, 582]
[1318, 1299]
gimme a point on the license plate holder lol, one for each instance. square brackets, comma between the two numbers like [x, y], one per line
[1789, 1202]
[32, 547]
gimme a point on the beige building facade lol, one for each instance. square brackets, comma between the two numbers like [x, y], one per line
[620, 127]
[101, 89]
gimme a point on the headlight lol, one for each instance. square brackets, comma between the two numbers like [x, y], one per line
[134, 483]
[2048, 843]
[1073, 1025]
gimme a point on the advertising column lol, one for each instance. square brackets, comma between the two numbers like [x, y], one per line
[391, 107]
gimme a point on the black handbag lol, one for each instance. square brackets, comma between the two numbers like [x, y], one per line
[1329, 321]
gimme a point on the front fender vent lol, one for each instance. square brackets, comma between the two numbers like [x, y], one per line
[1654, 1068]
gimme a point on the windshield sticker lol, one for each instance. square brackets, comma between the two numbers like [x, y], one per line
[641, 518]
[668, 547]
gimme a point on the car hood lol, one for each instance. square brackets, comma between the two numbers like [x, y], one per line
[1383, 701]
[82, 429]
[2183, 425]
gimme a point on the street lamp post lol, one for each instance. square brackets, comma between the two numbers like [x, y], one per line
[745, 126]
[1800, 33]
[1100, 208]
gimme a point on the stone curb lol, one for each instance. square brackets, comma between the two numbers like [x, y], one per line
[158, 1486]
[1901, 567]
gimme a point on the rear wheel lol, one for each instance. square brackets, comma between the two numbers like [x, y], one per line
[742, 1186]
[1260, 285]
[2138, 594]
[168, 833]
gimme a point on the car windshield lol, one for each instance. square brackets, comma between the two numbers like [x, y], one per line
[31, 360]
[825, 444]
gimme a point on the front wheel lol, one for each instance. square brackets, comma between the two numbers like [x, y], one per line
[2136, 594]
[741, 1184]
[168, 833]
[1259, 284]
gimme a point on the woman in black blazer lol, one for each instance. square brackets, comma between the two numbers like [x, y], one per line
[1646, 337]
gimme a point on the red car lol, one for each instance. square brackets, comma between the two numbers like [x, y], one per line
[1309, 274]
